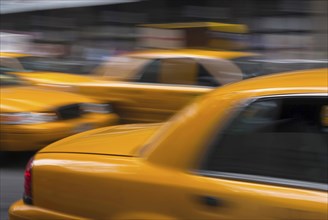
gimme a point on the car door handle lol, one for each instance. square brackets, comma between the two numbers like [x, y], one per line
[210, 201]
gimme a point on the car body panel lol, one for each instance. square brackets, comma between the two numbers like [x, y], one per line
[214, 107]
[13, 137]
[12, 101]
[138, 101]
[149, 189]
[162, 179]
[53, 77]
[24, 99]
[42, 214]
[129, 137]
[142, 102]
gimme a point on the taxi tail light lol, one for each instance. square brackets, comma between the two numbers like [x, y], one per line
[27, 197]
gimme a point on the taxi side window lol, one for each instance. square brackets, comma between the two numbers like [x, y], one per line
[186, 71]
[178, 71]
[181, 71]
[204, 78]
[11, 63]
[281, 138]
[150, 73]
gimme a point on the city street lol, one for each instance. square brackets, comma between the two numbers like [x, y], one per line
[11, 180]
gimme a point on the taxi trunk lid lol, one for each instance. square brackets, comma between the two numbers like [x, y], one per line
[124, 140]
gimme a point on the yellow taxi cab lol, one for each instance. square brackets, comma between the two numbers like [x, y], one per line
[256, 149]
[31, 117]
[150, 85]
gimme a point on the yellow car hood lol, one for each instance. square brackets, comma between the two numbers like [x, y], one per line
[33, 99]
[123, 140]
[53, 77]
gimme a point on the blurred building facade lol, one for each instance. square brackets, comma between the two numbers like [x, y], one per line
[279, 28]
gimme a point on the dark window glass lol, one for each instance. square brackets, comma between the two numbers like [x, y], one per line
[150, 73]
[56, 65]
[256, 65]
[282, 138]
[251, 66]
[7, 79]
[204, 78]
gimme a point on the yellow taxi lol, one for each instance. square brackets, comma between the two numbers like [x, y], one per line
[151, 85]
[255, 149]
[31, 117]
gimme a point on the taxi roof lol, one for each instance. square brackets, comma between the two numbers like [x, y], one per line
[190, 53]
[214, 26]
[13, 54]
[305, 81]
[165, 53]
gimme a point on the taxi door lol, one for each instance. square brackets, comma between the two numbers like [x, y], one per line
[214, 197]
[269, 161]
[165, 86]
[157, 90]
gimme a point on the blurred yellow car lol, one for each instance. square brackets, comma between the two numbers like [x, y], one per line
[151, 85]
[32, 117]
[256, 149]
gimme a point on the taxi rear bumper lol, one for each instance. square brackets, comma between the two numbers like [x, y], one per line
[21, 211]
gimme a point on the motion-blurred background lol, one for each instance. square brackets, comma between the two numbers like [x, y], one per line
[83, 30]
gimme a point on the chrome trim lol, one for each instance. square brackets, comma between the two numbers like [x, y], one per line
[174, 85]
[292, 95]
[263, 179]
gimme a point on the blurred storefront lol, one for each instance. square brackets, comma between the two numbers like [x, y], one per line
[279, 28]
